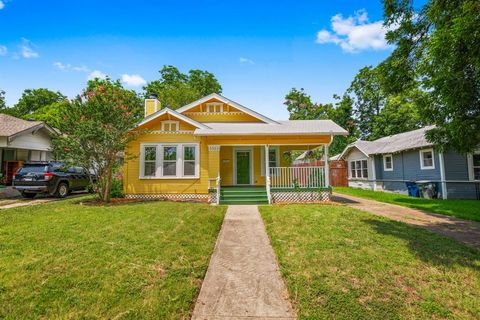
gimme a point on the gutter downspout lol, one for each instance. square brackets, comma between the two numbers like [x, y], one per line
[442, 175]
[374, 174]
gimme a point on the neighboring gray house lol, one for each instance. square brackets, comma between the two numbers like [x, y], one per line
[389, 162]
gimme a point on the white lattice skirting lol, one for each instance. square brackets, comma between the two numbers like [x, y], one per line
[300, 196]
[213, 197]
[172, 196]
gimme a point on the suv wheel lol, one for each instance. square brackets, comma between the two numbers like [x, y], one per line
[28, 195]
[62, 190]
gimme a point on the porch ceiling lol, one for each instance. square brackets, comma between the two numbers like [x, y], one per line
[293, 140]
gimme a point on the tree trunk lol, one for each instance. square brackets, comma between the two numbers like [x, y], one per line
[108, 183]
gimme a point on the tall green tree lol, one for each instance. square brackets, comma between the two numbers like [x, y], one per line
[343, 115]
[380, 112]
[96, 127]
[300, 106]
[368, 99]
[438, 45]
[34, 99]
[51, 114]
[3, 104]
[176, 89]
[400, 113]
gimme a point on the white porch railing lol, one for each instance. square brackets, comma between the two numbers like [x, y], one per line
[297, 177]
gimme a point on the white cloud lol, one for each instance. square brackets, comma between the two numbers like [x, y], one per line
[81, 69]
[96, 74]
[26, 50]
[68, 67]
[133, 80]
[2, 5]
[246, 61]
[61, 66]
[355, 33]
[3, 50]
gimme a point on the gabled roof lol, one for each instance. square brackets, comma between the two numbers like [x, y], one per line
[227, 101]
[292, 127]
[176, 115]
[12, 127]
[414, 139]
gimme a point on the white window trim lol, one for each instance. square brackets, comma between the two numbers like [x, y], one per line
[385, 162]
[422, 167]
[262, 157]
[356, 169]
[159, 160]
[471, 168]
[170, 122]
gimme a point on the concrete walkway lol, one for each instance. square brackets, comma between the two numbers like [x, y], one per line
[41, 199]
[465, 231]
[242, 280]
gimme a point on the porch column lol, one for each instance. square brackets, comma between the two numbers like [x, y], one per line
[267, 173]
[267, 167]
[213, 162]
[327, 166]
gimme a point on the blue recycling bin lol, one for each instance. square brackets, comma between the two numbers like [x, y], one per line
[413, 190]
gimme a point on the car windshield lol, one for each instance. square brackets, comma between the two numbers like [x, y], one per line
[33, 169]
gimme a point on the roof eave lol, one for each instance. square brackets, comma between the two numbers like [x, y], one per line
[266, 133]
[34, 128]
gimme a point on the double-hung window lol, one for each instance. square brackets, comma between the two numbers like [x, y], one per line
[169, 161]
[359, 169]
[387, 162]
[476, 166]
[189, 160]
[426, 159]
[149, 161]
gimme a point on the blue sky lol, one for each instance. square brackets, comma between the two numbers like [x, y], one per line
[258, 50]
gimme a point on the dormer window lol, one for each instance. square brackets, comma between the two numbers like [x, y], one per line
[215, 107]
[170, 125]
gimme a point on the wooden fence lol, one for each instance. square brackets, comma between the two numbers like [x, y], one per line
[338, 170]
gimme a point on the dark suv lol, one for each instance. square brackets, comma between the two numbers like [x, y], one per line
[49, 177]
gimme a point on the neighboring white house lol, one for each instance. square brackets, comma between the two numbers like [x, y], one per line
[22, 140]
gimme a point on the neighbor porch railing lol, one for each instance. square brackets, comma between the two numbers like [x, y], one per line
[297, 177]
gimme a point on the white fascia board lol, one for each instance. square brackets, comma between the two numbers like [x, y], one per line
[176, 115]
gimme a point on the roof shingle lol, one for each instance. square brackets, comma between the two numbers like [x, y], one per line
[395, 143]
[305, 127]
[10, 125]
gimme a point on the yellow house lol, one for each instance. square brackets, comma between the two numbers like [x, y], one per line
[218, 151]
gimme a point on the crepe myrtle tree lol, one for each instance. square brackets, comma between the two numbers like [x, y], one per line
[96, 127]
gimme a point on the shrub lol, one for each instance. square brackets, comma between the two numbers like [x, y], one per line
[117, 189]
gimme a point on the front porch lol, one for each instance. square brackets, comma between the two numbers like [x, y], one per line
[267, 174]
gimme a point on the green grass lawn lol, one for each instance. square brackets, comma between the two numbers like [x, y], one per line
[342, 263]
[464, 209]
[67, 261]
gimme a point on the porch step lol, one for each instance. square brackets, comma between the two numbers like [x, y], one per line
[239, 202]
[243, 195]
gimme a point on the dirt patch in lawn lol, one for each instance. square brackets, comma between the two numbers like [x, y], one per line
[113, 202]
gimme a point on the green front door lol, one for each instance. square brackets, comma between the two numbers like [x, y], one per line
[243, 167]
